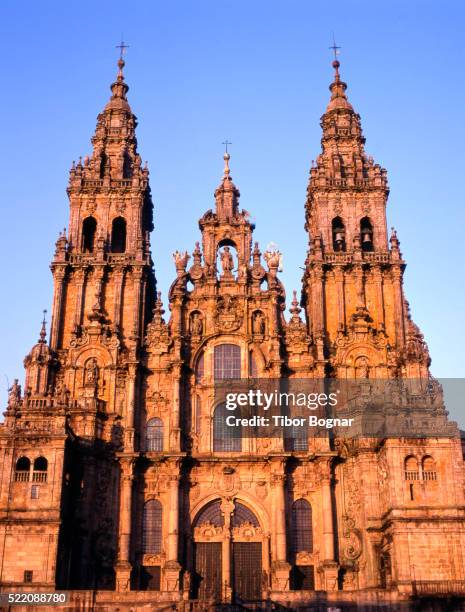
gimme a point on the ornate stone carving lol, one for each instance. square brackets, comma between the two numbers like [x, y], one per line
[229, 313]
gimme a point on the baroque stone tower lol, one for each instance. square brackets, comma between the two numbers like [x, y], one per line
[82, 388]
[120, 481]
[353, 277]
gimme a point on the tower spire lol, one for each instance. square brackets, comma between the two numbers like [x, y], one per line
[43, 330]
[226, 194]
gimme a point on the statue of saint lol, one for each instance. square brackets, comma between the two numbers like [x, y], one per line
[92, 372]
[227, 261]
[14, 393]
[258, 324]
[196, 324]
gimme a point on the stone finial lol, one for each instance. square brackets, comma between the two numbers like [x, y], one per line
[180, 261]
[295, 308]
[197, 254]
[43, 329]
[158, 310]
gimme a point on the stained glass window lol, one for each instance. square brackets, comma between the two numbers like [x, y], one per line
[225, 437]
[211, 514]
[227, 358]
[301, 528]
[154, 436]
[243, 515]
[152, 527]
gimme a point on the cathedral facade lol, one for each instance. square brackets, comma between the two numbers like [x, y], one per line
[118, 481]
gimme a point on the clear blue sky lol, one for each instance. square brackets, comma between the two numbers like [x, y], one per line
[255, 72]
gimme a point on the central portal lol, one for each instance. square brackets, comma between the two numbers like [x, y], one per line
[228, 554]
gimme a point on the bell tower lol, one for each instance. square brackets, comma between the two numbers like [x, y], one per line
[102, 268]
[353, 290]
[104, 262]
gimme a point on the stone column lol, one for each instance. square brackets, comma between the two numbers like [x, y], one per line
[131, 400]
[398, 306]
[59, 276]
[227, 508]
[80, 280]
[137, 280]
[378, 280]
[123, 566]
[360, 286]
[329, 563]
[280, 566]
[316, 291]
[339, 279]
[172, 567]
[175, 431]
[118, 283]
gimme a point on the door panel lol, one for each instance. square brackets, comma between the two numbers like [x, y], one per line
[208, 576]
[247, 570]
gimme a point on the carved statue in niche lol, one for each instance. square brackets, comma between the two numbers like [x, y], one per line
[258, 323]
[227, 262]
[62, 393]
[196, 324]
[91, 372]
[14, 393]
[362, 369]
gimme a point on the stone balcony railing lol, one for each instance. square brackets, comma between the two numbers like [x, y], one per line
[22, 476]
[347, 258]
[442, 588]
[412, 475]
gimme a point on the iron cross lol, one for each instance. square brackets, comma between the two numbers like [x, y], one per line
[122, 47]
[226, 143]
[335, 48]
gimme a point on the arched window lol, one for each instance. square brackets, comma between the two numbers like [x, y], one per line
[366, 233]
[210, 514]
[428, 468]
[152, 527]
[227, 361]
[22, 469]
[225, 437]
[339, 234]
[200, 369]
[118, 235]
[89, 227]
[40, 470]
[411, 468]
[243, 515]
[301, 527]
[154, 435]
